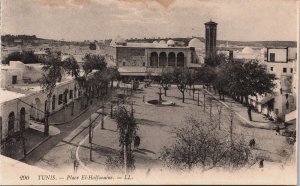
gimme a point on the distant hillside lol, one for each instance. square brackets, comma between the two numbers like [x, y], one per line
[12, 38]
[260, 43]
[33, 39]
[224, 42]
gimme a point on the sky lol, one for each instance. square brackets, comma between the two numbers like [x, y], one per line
[239, 20]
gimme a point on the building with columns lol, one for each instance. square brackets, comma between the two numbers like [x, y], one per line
[139, 59]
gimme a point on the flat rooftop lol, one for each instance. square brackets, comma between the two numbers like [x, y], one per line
[6, 95]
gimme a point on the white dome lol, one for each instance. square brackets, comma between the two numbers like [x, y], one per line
[155, 42]
[196, 43]
[247, 50]
[162, 42]
[170, 42]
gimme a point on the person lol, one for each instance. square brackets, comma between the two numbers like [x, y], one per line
[249, 112]
[277, 130]
[137, 141]
[252, 143]
[76, 164]
[261, 163]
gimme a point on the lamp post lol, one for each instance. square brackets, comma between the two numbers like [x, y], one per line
[91, 139]
[198, 97]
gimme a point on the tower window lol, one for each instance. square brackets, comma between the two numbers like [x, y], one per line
[124, 63]
[284, 70]
[271, 68]
[291, 70]
[272, 57]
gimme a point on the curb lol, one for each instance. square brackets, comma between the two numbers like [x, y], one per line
[80, 144]
[61, 123]
[37, 145]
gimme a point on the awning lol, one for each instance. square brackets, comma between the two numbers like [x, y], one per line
[289, 117]
[266, 99]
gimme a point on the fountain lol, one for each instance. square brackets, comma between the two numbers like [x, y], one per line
[160, 101]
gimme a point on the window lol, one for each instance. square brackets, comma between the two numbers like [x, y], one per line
[60, 99]
[272, 57]
[71, 94]
[123, 63]
[291, 70]
[284, 70]
[271, 68]
[143, 64]
[14, 79]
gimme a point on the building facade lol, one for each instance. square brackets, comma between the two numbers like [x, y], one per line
[23, 101]
[139, 59]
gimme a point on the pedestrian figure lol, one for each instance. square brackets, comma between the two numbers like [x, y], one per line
[137, 141]
[76, 165]
[277, 130]
[261, 163]
[249, 113]
[252, 143]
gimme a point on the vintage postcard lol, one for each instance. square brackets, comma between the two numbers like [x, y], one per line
[149, 92]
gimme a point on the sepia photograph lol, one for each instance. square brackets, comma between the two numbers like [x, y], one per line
[107, 92]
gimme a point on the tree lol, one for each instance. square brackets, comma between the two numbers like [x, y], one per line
[250, 78]
[215, 60]
[165, 80]
[71, 64]
[114, 74]
[200, 145]
[54, 69]
[206, 75]
[92, 46]
[221, 79]
[91, 62]
[181, 76]
[127, 128]
[27, 57]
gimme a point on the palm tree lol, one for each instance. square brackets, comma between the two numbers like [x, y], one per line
[54, 69]
[72, 67]
[91, 62]
[127, 128]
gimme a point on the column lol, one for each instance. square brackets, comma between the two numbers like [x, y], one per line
[167, 59]
[158, 60]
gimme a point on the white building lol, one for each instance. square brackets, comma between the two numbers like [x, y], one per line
[22, 100]
[282, 62]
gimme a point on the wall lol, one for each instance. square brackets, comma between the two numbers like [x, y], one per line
[280, 54]
[131, 56]
[13, 106]
[33, 71]
[7, 74]
[37, 100]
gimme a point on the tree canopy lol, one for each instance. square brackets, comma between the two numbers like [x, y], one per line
[27, 57]
[201, 145]
[93, 62]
